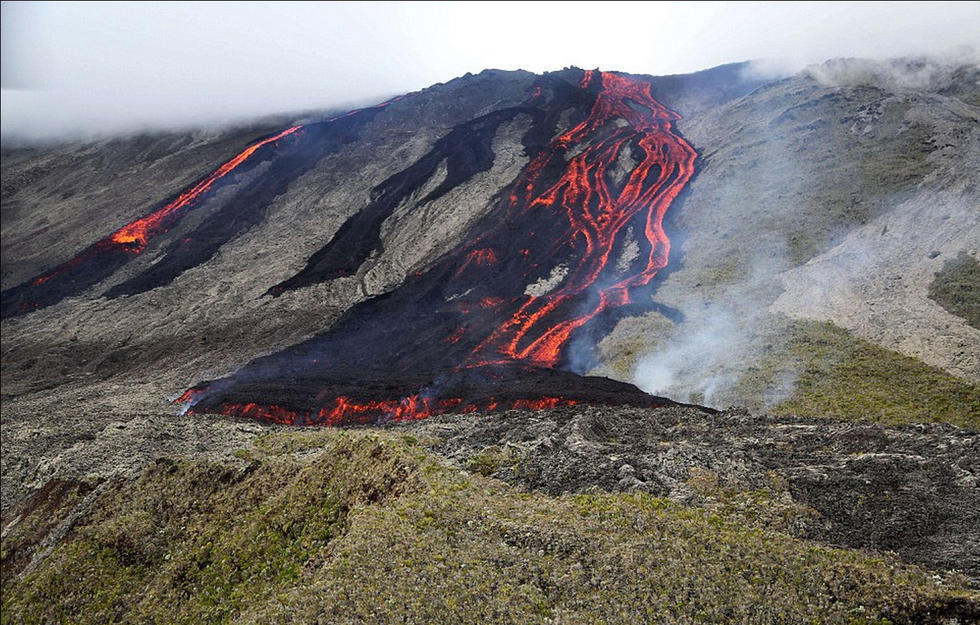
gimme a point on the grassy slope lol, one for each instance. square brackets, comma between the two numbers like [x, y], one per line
[346, 527]
[957, 288]
[841, 376]
[806, 165]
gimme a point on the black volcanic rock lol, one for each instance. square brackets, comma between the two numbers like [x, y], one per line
[531, 277]
[910, 489]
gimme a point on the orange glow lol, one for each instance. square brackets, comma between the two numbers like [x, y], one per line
[134, 237]
[542, 403]
[189, 396]
[569, 186]
[483, 257]
[343, 410]
[596, 213]
[486, 303]
[457, 335]
[138, 233]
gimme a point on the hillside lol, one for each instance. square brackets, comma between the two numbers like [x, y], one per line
[537, 298]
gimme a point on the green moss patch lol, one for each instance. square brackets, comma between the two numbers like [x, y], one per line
[956, 288]
[841, 376]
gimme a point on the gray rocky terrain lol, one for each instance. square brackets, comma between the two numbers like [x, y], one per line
[912, 490]
[795, 168]
[834, 195]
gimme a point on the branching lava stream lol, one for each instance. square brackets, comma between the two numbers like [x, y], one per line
[468, 333]
[597, 214]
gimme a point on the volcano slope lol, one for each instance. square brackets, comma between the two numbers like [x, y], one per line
[474, 248]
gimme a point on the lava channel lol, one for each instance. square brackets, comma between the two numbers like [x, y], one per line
[100, 259]
[95, 263]
[468, 333]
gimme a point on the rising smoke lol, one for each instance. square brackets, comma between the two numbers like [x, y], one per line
[862, 252]
[708, 356]
[920, 73]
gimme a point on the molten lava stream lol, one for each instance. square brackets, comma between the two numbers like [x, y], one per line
[597, 214]
[344, 411]
[107, 255]
[134, 236]
[570, 211]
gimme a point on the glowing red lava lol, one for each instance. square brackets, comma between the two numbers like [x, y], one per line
[597, 213]
[134, 236]
[483, 257]
[466, 334]
[347, 411]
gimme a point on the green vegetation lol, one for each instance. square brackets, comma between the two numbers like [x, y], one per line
[635, 336]
[841, 376]
[770, 508]
[957, 288]
[887, 158]
[902, 162]
[359, 527]
[489, 461]
[730, 270]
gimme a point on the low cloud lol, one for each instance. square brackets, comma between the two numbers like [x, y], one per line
[85, 69]
[930, 73]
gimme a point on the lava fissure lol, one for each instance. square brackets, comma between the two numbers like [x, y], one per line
[465, 331]
[290, 153]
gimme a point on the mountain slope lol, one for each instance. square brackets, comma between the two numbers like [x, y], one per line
[358, 527]
[537, 253]
[834, 195]
[775, 184]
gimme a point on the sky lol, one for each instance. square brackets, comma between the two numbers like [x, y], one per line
[89, 68]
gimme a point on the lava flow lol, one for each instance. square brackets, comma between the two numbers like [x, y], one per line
[109, 253]
[539, 330]
[134, 236]
[345, 411]
[286, 162]
[492, 324]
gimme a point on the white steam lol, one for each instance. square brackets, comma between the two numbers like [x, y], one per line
[731, 347]
[918, 73]
[707, 357]
[694, 363]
